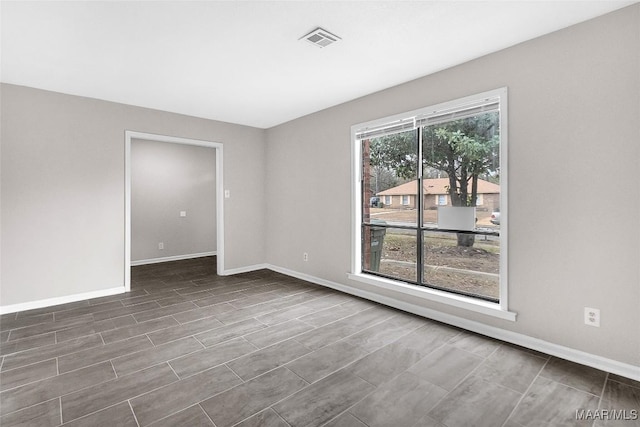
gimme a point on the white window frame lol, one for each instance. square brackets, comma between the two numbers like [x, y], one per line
[500, 309]
[388, 200]
[405, 200]
[438, 200]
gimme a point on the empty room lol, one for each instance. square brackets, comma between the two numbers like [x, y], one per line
[320, 213]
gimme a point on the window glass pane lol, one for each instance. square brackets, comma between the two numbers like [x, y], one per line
[461, 165]
[471, 270]
[390, 251]
[389, 181]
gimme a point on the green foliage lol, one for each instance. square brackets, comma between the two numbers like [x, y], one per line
[463, 150]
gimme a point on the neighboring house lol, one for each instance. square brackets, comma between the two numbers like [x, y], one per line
[436, 194]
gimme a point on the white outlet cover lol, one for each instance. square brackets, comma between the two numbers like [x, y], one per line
[592, 316]
[183, 213]
[227, 194]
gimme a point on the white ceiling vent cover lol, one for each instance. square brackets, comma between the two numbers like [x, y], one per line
[321, 38]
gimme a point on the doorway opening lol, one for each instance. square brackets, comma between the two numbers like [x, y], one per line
[129, 137]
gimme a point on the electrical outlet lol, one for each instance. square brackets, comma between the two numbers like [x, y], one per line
[160, 245]
[183, 213]
[305, 257]
[592, 316]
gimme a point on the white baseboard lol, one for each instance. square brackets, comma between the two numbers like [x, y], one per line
[578, 356]
[246, 269]
[60, 300]
[171, 258]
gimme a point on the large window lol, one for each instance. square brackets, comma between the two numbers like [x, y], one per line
[448, 164]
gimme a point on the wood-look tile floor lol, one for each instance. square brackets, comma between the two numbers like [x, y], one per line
[189, 348]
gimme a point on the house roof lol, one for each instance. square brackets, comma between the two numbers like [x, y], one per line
[437, 186]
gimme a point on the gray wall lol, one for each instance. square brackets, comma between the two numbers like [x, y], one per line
[63, 184]
[574, 131]
[166, 179]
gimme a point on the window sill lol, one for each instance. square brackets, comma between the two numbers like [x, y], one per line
[459, 301]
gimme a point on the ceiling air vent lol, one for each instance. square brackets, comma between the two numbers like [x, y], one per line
[321, 38]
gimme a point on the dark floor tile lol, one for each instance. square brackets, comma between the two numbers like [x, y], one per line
[574, 375]
[446, 366]
[150, 297]
[212, 356]
[45, 414]
[185, 330]
[193, 416]
[201, 313]
[88, 357]
[51, 309]
[345, 420]
[119, 415]
[103, 395]
[324, 400]
[474, 343]
[393, 359]
[247, 399]
[138, 329]
[624, 380]
[181, 298]
[266, 359]
[550, 403]
[303, 309]
[266, 418]
[622, 396]
[33, 393]
[385, 332]
[335, 331]
[260, 297]
[44, 328]
[39, 354]
[27, 374]
[219, 298]
[4, 336]
[117, 297]
[399, 403]
[267, 307]
[88, 309]
[94, 327]
[24, 322]
[27, 343]
[132, 309]
[180, 395]
[325, 361]
[230, 331]
[476, 402]
[511, 367]
[164, 311]
[277, 333]
[338, 312]
[143, 359]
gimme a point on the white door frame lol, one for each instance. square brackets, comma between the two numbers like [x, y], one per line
[129, 135]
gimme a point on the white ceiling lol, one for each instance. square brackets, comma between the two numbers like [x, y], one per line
[243, 62]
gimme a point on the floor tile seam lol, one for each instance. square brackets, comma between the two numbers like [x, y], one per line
[24, 366]
[64, 393]
[22, 327]
[30, 348]
[104, 360]
[3, 414]
[604, 387]
[526, 392]
[144, 333]
[135, 417]
[34, 381]
[219, 364]
[128, 399]
[409, 331]
[277, 342]
[575, 388]
[160, 317]
[471, 352]
[636, 387]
